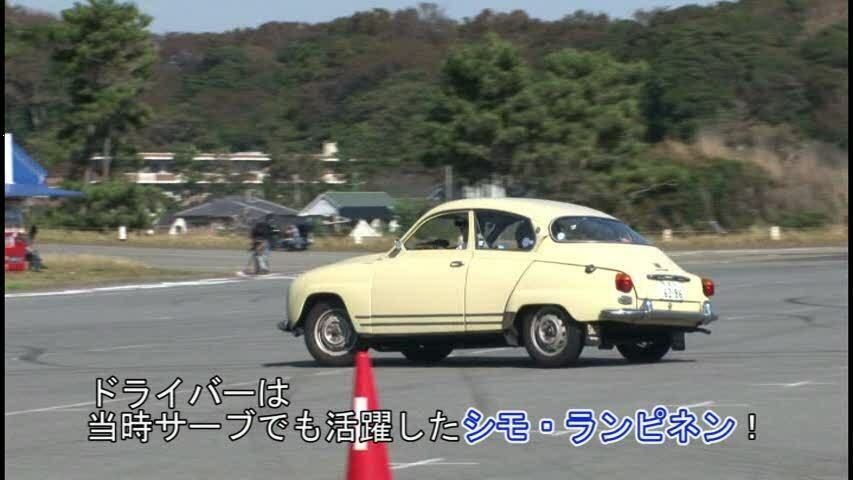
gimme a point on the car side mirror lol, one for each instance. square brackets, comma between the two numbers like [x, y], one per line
[398, 247]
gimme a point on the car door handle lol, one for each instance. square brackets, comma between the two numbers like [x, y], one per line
[456, 263]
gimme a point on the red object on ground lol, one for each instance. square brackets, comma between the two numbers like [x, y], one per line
[367, 460]
[15, 259]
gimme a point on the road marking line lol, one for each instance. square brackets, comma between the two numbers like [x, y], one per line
[794, 384]
[786, 312]
[394, 464]
[147, 286]
[487, 350]
[330, 372]
[109, 400]
[416, 464]
[707, 403]
[140, 345]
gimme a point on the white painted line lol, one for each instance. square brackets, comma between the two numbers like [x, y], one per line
[147, 286]
[786, 312]
[477, 352]
[330, 372]
[432, 464]
[488, 350]
[794, 384]
[140, 345]
[69, 406]
[707, 403]
[416, 464]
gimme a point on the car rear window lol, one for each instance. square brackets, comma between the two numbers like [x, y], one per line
[594, 229]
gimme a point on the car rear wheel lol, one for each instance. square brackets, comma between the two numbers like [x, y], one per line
[647, 351]
[329, 335]
[552, 338]
[427, 353]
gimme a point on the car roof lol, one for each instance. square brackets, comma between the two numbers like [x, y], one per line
[541, 211]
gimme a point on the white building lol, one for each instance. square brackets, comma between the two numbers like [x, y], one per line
[158, 168]
[329, 158]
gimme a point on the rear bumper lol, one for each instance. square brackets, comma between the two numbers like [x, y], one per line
[648, 315]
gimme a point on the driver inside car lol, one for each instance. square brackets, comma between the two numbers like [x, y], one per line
[525, 237]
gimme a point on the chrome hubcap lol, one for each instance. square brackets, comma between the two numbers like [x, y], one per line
[333, 333]
[549, 333]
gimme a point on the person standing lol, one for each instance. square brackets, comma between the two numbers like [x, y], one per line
[33, 257]
[261, 234]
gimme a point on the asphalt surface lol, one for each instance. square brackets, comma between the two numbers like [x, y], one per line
[780, 351]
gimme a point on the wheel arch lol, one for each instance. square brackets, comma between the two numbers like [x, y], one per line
[314, 299]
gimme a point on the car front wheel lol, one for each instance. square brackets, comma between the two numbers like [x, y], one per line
[552, 339]
[427, 353]
[645, 351]
[329, 335]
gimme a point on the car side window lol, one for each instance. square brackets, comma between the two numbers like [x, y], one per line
[444, 232]
[504, 231]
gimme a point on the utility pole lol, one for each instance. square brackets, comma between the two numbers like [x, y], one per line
[448, 182]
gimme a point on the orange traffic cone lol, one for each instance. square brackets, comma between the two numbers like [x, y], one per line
[367, 460]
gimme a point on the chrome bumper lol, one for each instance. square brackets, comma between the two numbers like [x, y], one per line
[647, 313]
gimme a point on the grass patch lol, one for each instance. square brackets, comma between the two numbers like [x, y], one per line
[754, 238]
[200, 240]
[89, 270]
[757, 238]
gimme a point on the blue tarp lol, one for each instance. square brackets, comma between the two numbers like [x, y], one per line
[27, 178]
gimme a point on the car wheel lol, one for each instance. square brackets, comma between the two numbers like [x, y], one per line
[427, 353]
[329, 335]
[552, 338]
[645, 351]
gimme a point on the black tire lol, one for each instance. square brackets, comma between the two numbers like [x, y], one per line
[331, 341]
[645, 352]
[552, 338]
[425, 354]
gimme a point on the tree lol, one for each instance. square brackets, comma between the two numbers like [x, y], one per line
[582, 113]
[465, 122]
[106, 53]
[109, 205]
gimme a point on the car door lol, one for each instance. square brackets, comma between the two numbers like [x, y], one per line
[422, 288]
[504, 249]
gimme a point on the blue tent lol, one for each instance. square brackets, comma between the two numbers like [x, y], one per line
[24, 177]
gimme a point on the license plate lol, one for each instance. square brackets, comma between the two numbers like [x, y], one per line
[671, 291]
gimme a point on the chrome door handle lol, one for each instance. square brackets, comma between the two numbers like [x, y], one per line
[456, 263]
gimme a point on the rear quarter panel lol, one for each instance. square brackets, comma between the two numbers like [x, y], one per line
[582, 294]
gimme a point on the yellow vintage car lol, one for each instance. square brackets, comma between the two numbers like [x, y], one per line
[551, 276]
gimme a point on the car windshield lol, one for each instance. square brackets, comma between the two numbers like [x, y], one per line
[594, 229]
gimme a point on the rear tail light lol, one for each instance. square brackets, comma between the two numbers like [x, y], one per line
[708, 287]
[624, 283]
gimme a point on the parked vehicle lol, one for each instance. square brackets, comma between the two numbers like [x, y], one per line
[293, 238]
[552, 277]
